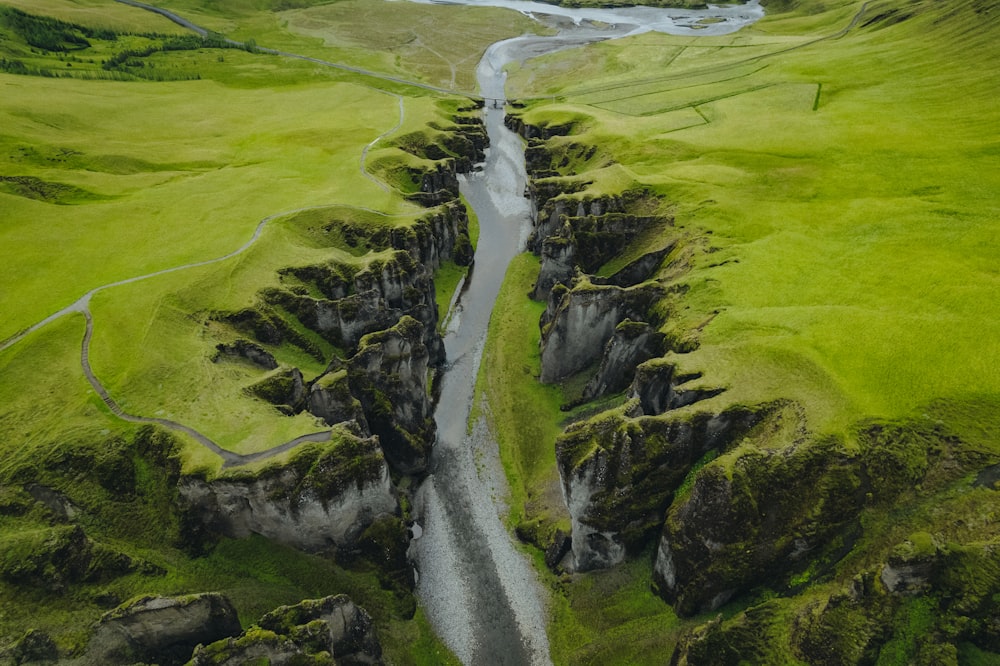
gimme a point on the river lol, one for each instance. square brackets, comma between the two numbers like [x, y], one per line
[480, 593]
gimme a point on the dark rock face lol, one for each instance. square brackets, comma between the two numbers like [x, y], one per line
[376, 298]
[389, 375]
[316, 631]
[382, 316]
[35, 647]
[640, 270]
[55, 557]
[598, 231]
[350, 632]
[631, 344]
[161, 630]
[322, 499]
[248, 350]
[736, 526]
[659, 388]
[330, 398]
[620, 474]
[579, 323]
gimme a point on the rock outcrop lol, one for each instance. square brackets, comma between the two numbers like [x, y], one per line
[375, 299]
[632, 343]
[380, 314]
[248, 350]
[584, 234]
[658, 387]
[619, 474]
[579, 323]
[316, 631]
[330, 399]
[161, 630]
[321, 500]
[752, 515]
[53, 558]
[389, 376]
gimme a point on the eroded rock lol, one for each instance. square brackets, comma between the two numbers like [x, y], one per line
[161, 630]
[619, 474]
[321, 499]
[750, 517]
[389, 375]
[315, 631]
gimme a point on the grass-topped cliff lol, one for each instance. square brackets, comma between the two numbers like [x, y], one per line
[828, 193]
[291, 211]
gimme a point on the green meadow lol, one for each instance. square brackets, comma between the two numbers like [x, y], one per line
[831, 174]
[831, 171]
[126, 150]
[844, 190]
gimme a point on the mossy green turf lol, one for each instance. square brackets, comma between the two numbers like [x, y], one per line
[833, 180]
[436, 45]
[109, 180]
[183, 172]
[852, 261]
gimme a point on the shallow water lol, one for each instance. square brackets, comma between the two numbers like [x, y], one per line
[480, 593]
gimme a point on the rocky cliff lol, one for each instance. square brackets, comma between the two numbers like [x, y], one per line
[381, 317]
[389, 374]
[332, 630]
[320, 500]
[161, 630]
[620, 473]
[580, 321]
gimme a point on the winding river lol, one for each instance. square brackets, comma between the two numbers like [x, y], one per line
[480, 593]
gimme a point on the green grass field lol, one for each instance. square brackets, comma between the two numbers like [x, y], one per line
[834, 171]
[852, 207]
[838, 192]
[104, 180]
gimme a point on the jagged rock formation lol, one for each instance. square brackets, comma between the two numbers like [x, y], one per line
[579, 323]
[248, 350]
[375, 299]
[346, 304]
[321, 500]
[34, 647]
[659, 387]
[754, 514]
[584, 234]
[389, 375]
[161, 630]
[330, 398]
[315, 631]
[632, 343]
[619, 474]
[54, 558]
[859, 620]
[751, 516]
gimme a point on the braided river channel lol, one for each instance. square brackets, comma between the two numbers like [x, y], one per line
[479, 591]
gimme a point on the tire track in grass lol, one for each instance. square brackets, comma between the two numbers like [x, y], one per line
[82, 306]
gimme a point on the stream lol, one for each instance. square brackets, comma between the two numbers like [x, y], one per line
[479, 591]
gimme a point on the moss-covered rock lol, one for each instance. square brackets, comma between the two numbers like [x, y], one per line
[314, 632]
[619, 474]
[321, 499]
[54, 558]
[162, 630]
[752, 515]
[389, 375]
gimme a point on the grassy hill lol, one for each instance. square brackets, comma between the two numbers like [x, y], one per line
[831, 173]
[129, 147]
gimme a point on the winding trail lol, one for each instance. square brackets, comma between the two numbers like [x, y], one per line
[82, 305]
[364, 152]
